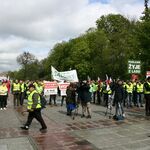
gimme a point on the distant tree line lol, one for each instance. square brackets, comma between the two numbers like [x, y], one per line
[103, 50]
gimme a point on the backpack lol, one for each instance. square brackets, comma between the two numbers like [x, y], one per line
[43, 102]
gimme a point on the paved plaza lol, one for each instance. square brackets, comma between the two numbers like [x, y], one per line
[64, 133]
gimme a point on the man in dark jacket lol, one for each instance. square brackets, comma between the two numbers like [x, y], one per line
[119, 94]
[85, 98]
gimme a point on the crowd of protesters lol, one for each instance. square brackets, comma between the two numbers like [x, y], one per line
[121, 93]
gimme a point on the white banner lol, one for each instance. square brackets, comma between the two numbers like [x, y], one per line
[69, 76]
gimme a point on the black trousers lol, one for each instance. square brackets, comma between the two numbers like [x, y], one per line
[52, 97]
[37, 115]
[3, 99]
[98, 97]
[94, 96]
[62, 100]
[106, 99]
[22, 97]
[16, 99]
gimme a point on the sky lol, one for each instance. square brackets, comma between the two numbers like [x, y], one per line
[37, 25]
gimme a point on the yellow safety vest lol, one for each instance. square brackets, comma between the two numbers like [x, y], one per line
[39, 89]
[139, 88]
[22, 87]
[30, 100]
[129, 88]
[16, 87]
[3, 90]
[145, 91]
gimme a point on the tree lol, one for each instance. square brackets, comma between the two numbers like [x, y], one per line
[25, 59]
[121, 43]
[143, 36]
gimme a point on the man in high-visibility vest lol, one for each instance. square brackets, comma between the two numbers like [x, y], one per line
[22, 94]
[16, 92]
[94, 86]
[129, 88]
[107, 92]
[139, 90]
[34, 109]
[147, 96]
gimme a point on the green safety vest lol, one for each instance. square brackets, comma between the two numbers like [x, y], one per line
[107, 91]
[95, 87]
[145, 91]
[16, 87]
[139, 88]
[30, 100]
[129, 88]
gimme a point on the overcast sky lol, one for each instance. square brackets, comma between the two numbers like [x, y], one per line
[36, 25]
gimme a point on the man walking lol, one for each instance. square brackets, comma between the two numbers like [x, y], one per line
[34, 109]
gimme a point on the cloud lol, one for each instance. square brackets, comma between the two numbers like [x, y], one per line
[36, 25]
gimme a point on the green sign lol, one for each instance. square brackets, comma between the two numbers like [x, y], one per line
[134, 66]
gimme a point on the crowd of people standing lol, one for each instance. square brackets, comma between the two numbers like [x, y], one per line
[122, 94]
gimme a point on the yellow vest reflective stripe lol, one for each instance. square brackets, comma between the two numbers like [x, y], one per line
[3, 90]
[30, 100]
[16, 87]
[129, 88]
[139, 88]
[147, 92]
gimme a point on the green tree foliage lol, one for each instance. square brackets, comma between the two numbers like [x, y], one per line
[25, 60]
[143, 36]
[103, 50]
[120, 34]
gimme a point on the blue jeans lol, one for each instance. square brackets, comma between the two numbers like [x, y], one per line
[129, 99]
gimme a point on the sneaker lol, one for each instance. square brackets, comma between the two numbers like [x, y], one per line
[4, 108]
[25, 127]
[123, 115]
[1, 108]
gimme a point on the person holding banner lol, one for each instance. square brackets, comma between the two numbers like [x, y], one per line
[53, 86]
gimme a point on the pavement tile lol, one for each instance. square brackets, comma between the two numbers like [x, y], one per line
[3, 147]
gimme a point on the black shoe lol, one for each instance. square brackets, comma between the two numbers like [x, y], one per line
[43, 130]
[89, 116]
[25, 128]
[142, 106]
[82, 116]
[68, 114]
